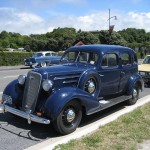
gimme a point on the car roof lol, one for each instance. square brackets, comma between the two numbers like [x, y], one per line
[100, 47]
[46, 52]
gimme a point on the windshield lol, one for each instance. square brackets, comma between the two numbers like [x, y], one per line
[83, 57]
[146, 60]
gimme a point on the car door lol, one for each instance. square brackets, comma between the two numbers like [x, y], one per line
[126, 68]
[110, 74]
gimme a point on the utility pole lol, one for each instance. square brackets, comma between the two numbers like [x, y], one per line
[111, 27]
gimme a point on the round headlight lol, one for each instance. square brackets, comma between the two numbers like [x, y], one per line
[21, 79]
[47, 85]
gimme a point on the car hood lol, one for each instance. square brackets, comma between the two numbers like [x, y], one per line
[144, 67]
[64, 69]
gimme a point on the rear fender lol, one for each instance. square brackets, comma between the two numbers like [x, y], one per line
[61, 97]
[135, 80]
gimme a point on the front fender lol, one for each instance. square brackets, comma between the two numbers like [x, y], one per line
[15, 91]
[61, 97]
[135, 80]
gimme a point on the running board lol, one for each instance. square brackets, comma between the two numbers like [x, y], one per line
[103, 104]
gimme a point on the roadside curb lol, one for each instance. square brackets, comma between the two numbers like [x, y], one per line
[89, 128]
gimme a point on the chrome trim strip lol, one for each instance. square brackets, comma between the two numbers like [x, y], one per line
[27, 115]
[66, 77]
[70, 81]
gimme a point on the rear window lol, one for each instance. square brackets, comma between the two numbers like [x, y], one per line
[126, 59]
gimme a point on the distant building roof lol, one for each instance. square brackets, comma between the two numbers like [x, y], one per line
[79, 43]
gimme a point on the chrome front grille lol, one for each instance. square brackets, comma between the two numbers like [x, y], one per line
[31, 91]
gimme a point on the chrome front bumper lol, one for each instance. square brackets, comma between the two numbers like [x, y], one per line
[27, 115]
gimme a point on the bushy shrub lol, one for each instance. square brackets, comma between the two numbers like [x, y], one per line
[13, 58]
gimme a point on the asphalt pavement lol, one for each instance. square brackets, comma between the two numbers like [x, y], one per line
[13, 67]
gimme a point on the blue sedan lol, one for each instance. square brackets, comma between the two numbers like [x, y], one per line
[42, 59]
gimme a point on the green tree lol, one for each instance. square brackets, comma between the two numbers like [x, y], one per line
[4, 35]
[86, 38]
[52, 44]
[34, 45]
[27, 48]
[42, 45]
[5, 43]
[114, 38]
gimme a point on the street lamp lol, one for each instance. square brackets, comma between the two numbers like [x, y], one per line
[115, 17]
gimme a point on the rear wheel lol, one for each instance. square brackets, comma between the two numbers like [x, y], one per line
[135, 95]
[69, 118]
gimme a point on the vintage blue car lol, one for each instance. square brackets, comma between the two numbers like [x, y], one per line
[42, 59]
[90, 78]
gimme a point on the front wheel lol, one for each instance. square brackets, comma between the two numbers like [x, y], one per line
[69, 118]
[43, 64]
[135, 95]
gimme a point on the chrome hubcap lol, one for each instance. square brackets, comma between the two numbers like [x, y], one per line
[43, 64]
[134, 92]
[70, 115]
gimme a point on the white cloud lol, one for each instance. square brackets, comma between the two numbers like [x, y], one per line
[28, 23]
[22, 22]
[99, 21]
[27, 17]
[140, 20]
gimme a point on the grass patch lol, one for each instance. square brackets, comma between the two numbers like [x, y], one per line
[123, 134]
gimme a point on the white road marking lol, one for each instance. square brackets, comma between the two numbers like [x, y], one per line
[82, 131]
[14, 76]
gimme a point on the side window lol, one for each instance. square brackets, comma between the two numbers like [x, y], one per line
[71, 56]
[84, 57]
[93, 57]
[126, 59]
[47, 54]
[109, 60]
[53, 54]
[104, 61]
[88, 57]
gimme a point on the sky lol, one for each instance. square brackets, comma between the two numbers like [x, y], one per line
[41, 16]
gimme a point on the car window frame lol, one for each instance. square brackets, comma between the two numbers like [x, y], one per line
[110, 67]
